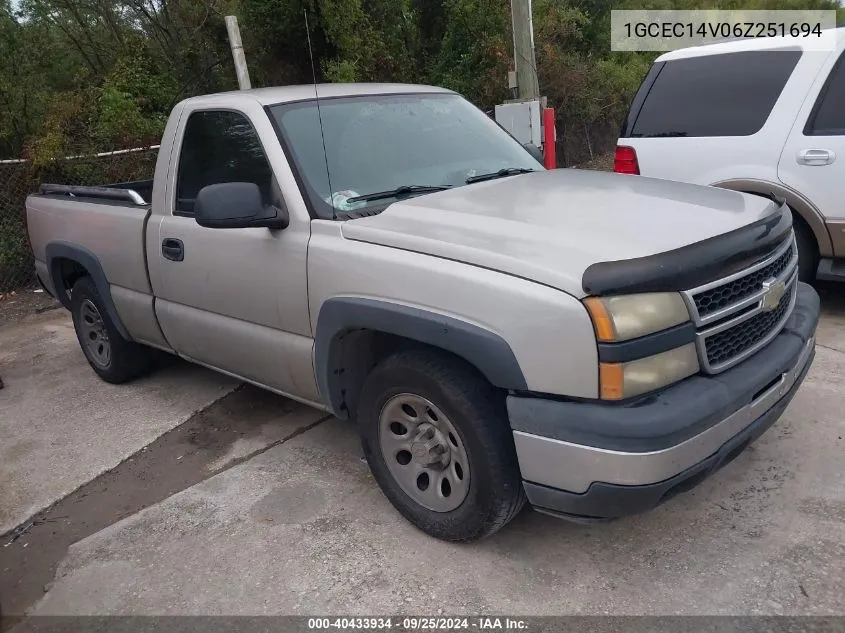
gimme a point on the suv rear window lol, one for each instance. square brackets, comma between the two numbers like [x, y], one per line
[731, 94]
[828, 117]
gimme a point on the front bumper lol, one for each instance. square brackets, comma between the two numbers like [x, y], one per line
[598, 461]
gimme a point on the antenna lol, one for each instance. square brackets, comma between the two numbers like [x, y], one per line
[319, 114]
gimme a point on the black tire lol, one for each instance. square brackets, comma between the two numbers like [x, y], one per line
[477, 412]
[808, 252]
[126, 360]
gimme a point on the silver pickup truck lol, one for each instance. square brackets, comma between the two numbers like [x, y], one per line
[595, 343]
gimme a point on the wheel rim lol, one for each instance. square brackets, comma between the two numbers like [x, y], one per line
[93, 333]
[424, 452]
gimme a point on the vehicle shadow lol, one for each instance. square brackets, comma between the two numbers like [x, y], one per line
[832, 295]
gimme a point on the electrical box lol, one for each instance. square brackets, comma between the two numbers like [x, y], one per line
[522, 120]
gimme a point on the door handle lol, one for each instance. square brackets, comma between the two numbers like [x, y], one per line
[816, 157]
[172, 249]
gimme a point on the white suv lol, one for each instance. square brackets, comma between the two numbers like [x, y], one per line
[763, 116]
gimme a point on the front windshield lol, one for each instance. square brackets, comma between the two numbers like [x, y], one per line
[376, 143]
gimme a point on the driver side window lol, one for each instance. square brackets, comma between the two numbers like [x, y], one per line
[219, 146]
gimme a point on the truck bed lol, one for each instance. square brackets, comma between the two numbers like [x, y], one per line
[109, 222]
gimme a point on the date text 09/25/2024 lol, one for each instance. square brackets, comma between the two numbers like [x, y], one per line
[418, 623]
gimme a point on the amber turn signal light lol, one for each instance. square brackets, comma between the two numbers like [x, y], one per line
[602, 322]
[611, 381]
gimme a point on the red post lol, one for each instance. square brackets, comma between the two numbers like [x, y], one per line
[549, 137]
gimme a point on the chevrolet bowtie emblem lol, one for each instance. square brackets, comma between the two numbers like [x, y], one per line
[773, 292]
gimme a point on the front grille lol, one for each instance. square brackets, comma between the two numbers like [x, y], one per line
[715, 299]
[731, 317]
[728, 344]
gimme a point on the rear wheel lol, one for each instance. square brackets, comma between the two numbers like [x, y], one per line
[112, 357]
[438, 442]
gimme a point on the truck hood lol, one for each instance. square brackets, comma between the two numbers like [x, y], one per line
[549, 226]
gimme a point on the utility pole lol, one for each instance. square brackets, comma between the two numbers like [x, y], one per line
[523, 49]
[238, 52]
[525, 115]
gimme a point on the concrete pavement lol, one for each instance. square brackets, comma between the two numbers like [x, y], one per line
[61, 426]
[303, 529]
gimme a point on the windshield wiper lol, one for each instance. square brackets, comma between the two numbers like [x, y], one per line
[508, 171]
[404, 190]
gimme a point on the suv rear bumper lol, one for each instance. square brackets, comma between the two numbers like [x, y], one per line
[598, 461]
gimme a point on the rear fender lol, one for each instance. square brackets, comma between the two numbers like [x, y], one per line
[797, 202]
[58, 251]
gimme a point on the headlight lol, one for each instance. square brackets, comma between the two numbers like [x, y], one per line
[625, 380]
[627, 317]
[630, 316]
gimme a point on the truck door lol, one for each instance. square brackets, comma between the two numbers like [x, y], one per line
[813, 160]
[234, 299]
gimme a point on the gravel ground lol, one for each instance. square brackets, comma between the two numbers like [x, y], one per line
[15, 306]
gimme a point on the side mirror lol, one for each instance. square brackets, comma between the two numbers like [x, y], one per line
[536, 152]
[237, 205]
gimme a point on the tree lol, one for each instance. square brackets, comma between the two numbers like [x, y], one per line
[108, 72]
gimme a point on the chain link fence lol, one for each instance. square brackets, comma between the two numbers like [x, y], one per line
[20, 178]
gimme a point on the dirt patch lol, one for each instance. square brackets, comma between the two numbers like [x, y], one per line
[181, 458]
[16, 306]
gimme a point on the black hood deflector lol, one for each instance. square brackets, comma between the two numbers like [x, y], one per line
[693, 265]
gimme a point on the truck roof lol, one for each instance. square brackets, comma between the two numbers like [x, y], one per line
[284, 94]
[751, 44]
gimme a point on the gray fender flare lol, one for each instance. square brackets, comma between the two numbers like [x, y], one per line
[487, 351]
[55, 251]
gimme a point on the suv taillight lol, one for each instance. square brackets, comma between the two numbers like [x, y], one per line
[625, 161]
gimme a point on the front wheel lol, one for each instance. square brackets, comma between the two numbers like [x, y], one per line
[437, 440]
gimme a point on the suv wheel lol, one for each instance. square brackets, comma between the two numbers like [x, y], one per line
[437, 440]
[808, 255]
[112, 357]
